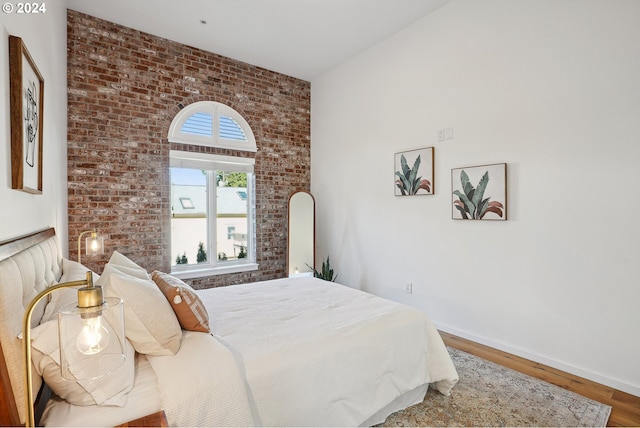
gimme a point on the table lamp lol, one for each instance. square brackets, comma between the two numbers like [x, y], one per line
[94, 244]
[91, 334]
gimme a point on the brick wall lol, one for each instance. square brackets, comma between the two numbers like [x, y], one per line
[124, 87]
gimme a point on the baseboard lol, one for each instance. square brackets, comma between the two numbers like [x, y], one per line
[595, 377]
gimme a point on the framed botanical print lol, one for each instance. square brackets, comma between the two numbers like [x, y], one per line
[26, 109]
[479, 192]
[414, 172]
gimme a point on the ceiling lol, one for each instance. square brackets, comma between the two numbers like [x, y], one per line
[299, 38]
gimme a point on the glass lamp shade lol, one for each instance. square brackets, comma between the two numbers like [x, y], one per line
[94, 245]
[92, 340]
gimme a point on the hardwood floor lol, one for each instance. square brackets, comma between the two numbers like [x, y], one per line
[625, 407]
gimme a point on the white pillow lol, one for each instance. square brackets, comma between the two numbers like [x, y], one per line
[74, 271]
[108, 390]
[71, 271]
[110, 269]
[120, 263]
[150, 323]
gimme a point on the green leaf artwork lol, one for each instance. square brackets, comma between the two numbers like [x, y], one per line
[408, 180]
[471, 202]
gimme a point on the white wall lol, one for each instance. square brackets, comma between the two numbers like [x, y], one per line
[552, 88]
[45, 36]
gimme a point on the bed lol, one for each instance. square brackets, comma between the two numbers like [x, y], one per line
[287, 352]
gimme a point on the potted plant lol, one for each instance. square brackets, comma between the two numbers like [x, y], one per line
[326, 272]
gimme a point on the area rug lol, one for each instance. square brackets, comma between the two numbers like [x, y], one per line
[490, 395]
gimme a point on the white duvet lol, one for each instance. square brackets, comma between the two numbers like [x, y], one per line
[316, 353]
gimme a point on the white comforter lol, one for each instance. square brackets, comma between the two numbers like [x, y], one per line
[316, 353]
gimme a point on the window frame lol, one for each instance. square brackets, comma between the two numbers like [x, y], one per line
[207, 162]
[216, 110]
[213, 163]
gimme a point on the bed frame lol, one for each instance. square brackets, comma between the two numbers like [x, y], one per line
[9, 415]
[8, 410]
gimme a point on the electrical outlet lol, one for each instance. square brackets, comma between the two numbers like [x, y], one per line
[408, 288]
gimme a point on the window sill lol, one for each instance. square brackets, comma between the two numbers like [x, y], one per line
[219, 270]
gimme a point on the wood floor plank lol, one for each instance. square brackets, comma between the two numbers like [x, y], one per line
[625, 407]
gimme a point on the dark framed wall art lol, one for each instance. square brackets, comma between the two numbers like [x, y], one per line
[26, 109]
[414, 172]
[479, 192]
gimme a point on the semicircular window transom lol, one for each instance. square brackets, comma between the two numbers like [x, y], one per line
[209, 123]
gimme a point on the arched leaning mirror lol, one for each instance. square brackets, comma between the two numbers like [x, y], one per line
[301, 234]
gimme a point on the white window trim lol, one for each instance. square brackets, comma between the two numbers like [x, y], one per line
[216, 110]
[212, 271]
[182, 159]
[209, 161]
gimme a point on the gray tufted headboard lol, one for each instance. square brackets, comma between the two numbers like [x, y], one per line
[28, 264]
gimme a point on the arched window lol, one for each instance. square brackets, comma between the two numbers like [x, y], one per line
[212, 196]
[208, 123]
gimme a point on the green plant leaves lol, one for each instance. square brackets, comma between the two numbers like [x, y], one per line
[467, 205]
[479, 192]
[408, 181]
[471, 202]
[467, 188]
[326, 271]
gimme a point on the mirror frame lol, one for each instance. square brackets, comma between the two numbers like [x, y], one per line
[313, 237]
